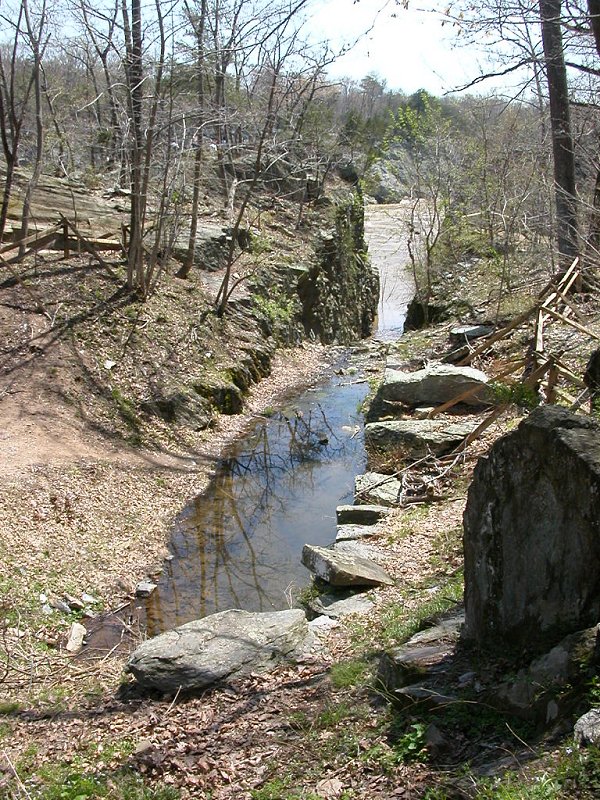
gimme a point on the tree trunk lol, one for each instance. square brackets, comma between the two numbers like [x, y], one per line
[594, 232]
[198, 155]
[560, 122]
[135, 252]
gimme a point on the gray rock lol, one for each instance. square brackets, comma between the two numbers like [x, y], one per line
[376, 487]
[342, 568]
[210, 252]
[76, 637]
[436, 383]
[587, 728]
[145, 589]
[463, 333]
[60, 605]
[417, 438]
[532, 534]
[336, 606]
[361, 514]
[422, 412]
[541, 691]
[74, 603]
[361, 549]
[383, 183]
[352, 533]
[219, 647]
[405, 665]
[425, 697]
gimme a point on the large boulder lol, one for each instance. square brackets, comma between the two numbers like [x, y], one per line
[435, 383]
[417, 438]
[532, 534]
[342, 567]
[221, 646]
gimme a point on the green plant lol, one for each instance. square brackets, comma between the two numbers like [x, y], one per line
[348, 673]
[276, 789]
[398, 626]
[412, 745]
[593, 692]
[7, 707]
[126, 409]
[516, 394]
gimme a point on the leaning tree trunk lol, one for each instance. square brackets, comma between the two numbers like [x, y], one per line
[560, 123]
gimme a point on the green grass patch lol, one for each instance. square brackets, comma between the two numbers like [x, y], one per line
[348, 673]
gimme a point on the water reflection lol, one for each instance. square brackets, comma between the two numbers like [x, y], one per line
[239, 543]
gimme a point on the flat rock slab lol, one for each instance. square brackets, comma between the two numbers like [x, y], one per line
[221, 646]
[417, 438]
[466, 333]
[361, 514]
[436, 383]
[354, 533]
[405, 665]
[361, 549]
[341, 568]
[340, 605]
[376, 487]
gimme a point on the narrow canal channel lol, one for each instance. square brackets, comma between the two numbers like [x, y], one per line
[238, 545]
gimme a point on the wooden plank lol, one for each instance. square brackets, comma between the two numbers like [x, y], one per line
[40, 238]
[567, 373]
[539, 332]
[501, 333]
[90, 248]
[102, 244]
[573, 324]
[551, 385]
[531, 380]
[578, 315]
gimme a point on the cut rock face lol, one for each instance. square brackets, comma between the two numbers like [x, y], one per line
[343, 568]
[532, 533]
[435, 384]
[224, 645]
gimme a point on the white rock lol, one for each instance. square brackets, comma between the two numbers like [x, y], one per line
[76, 637]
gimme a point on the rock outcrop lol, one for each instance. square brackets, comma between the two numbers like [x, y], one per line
[532, 534]
[221, 646]
[339, 291]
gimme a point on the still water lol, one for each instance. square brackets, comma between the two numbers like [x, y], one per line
[238, 545]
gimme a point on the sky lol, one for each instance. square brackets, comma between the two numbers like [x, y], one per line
[410, 49]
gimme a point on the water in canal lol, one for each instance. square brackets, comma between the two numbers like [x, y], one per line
[238, 545]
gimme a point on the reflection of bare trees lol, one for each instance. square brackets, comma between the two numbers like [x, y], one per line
[238, 544]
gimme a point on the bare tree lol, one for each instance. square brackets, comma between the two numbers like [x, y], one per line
[20, 61]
